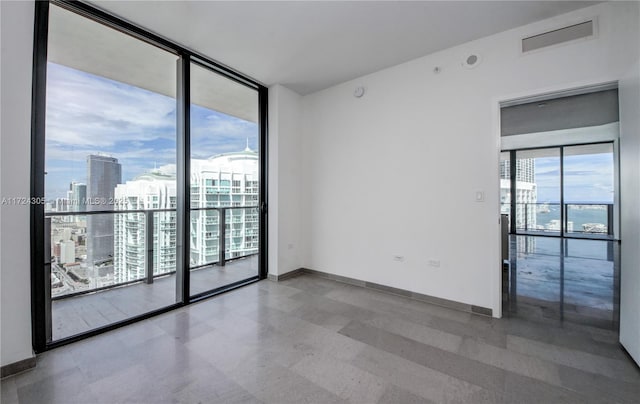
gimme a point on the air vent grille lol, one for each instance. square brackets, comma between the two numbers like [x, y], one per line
[566, 34]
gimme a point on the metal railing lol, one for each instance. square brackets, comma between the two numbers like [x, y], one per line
[150, 228]
[602, 224]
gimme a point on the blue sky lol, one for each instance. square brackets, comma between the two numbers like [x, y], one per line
[587, 178]
[87, 114]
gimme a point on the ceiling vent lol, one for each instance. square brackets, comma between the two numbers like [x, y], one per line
[558, 36]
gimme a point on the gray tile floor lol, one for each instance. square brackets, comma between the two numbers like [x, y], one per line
[313, 340]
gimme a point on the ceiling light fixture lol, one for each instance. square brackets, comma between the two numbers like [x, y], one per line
[471, 61]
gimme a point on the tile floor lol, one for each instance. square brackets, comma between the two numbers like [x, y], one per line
[564, 280]
[313, 340]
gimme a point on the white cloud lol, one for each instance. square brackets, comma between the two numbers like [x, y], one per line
[87, 110]
[87, 114]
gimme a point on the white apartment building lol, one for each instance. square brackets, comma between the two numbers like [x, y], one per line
[155, 190]
[526, 197]
[223, 181]
[67, 252]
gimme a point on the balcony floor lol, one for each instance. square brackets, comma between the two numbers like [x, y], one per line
[82, 313]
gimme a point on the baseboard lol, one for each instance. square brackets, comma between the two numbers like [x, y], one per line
[290, 274]
[17, 367]
[451, 304]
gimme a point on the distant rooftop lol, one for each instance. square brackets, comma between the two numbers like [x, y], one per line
[247, 152]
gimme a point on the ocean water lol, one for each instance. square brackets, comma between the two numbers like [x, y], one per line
[579, 217]
[589, 249]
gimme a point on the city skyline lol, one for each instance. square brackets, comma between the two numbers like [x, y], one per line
[101, 250]
[89, 114]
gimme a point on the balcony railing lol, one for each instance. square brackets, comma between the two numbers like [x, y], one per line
[85, 278]
[569, 218]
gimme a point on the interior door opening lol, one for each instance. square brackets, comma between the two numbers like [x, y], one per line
[561, 206]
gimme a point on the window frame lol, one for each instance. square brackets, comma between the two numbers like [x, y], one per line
[40, 303]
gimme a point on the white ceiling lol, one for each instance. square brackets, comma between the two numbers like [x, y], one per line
[311, 45]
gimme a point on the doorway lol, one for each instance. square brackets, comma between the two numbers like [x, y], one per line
[561, 203]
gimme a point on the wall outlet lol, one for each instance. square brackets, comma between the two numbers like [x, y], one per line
[434, 263]
[398, 258]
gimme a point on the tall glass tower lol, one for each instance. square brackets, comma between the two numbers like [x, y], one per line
[77, 196]
[103, 174]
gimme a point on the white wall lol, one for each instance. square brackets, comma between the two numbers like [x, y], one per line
[396, 171]
[630, 210]
[288, 248]
[15, 107]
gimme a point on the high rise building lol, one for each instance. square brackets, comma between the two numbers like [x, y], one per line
[525, 170]
[77, 196]
[526, 197]
[225, 180]
[104, 173]
[155, 190]
[67, 252]
[61, 204]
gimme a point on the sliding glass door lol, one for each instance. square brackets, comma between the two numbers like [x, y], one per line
[563, 250]
[589, 189]
[565, 190]
[149, 161]
[110, 184]
[225, 181]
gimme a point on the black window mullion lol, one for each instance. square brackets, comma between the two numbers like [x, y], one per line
[39, 306]
[183, 178]
[263, 209]
[513, 186]
[563, 212]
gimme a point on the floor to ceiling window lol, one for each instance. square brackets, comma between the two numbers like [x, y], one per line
[110, 147]
[152, 194]
[225, 181]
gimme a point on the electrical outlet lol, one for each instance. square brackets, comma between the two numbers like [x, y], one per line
[434, 263]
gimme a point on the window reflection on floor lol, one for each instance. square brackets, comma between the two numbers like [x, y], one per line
[566, 280]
